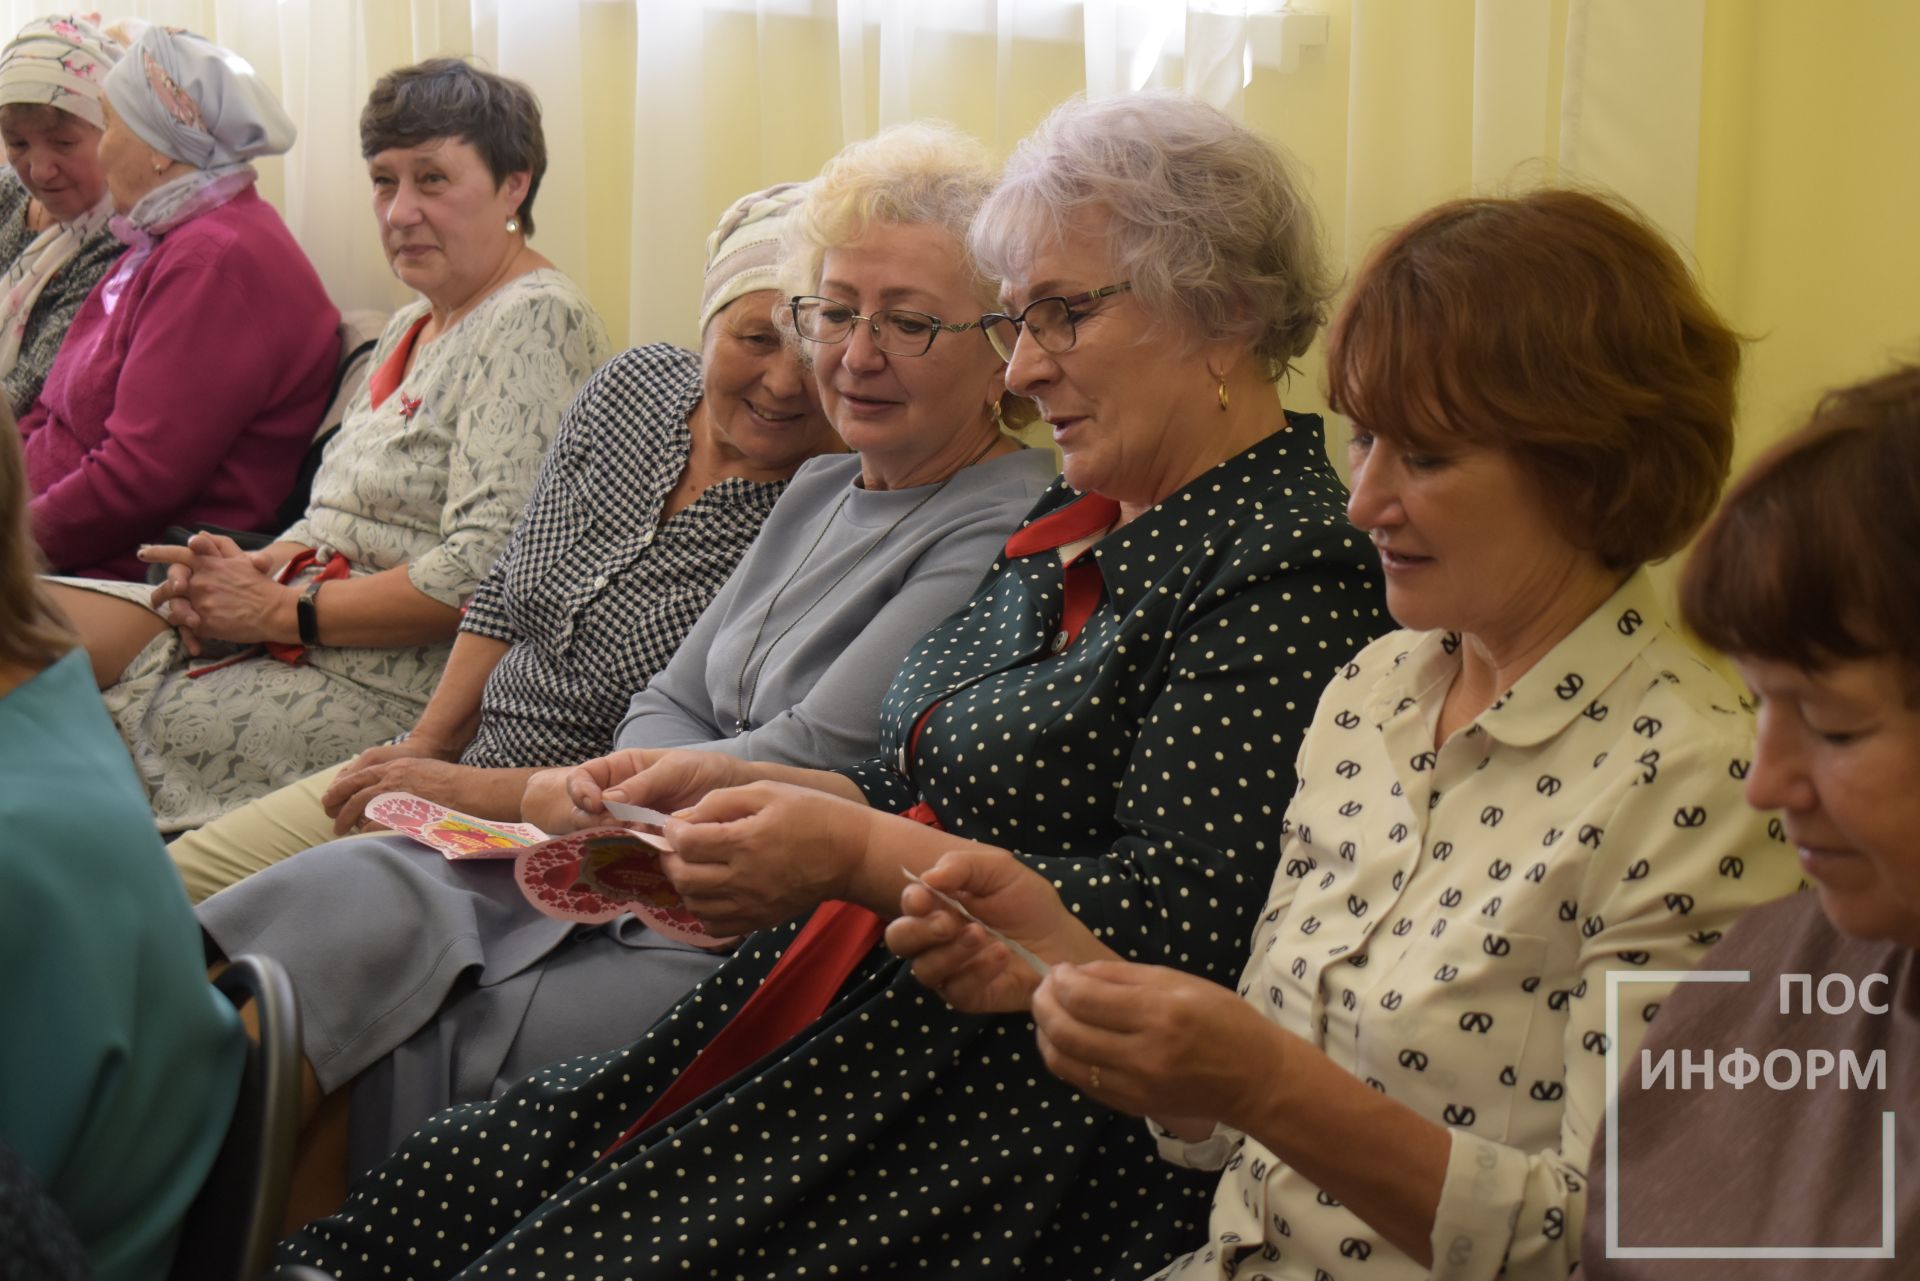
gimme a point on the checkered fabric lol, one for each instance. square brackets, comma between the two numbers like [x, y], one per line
[593, 592]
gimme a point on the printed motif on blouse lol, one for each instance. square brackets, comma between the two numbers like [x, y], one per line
[1443, 923]
[593, 592]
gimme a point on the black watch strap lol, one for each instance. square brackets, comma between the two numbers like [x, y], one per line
[306, 615]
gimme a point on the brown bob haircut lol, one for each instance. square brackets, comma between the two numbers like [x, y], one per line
[1560, 327]
[1811, 559]
[448, 98]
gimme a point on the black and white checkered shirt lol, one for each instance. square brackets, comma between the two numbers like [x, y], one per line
[593, 593]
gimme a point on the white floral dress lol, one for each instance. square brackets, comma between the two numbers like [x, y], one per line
[434, 477]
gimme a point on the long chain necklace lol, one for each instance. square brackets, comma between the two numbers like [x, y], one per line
[745, 692]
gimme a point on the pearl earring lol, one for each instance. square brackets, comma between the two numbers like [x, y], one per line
[513, 224]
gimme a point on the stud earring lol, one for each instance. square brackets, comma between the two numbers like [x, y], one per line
[513, 224]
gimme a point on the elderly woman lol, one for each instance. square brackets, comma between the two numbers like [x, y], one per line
[54, 240]
[463, 987]
[1806, 578]
[121, 1063]
[1117, 703]
[1532, 786]
[346, 619]
[662, 472]
[190, 382]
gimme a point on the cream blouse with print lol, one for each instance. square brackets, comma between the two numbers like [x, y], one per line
[1443, 921]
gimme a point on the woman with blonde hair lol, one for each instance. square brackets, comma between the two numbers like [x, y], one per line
[122, 1062]
[464, 987]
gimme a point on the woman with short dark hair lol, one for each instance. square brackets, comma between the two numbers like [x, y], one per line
[345, 621]
[447, 98]
[1532, 785]
[1806, 579]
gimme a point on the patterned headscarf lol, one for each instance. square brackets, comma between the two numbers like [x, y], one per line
[192, 100]
[743, 253]
[59, 62]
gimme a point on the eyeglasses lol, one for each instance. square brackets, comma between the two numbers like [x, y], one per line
[896, 332]
[1051, 321]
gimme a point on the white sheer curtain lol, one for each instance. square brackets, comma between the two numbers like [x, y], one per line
[659, 112]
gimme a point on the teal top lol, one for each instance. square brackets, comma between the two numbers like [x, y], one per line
[119, 1063]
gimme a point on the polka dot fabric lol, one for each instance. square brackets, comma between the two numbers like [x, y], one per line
[1443, 923]
[1144, 769]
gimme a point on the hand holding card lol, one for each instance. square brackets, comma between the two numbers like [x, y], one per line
[634, 813]
[1038, 966]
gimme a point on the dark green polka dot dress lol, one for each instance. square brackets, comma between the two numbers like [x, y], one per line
[1143, 765]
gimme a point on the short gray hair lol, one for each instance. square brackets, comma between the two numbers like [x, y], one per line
[1204, 216]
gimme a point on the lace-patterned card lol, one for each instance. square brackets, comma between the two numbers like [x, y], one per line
[604, 872]
[592, 876]
[456, 835]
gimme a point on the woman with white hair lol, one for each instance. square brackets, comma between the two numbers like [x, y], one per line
[55, 244]
[191, 381]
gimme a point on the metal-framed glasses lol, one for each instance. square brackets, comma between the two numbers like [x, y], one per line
[896, 332]
[1049, 321]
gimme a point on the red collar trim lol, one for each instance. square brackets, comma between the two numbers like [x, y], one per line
[387, 379]
[1084, 517]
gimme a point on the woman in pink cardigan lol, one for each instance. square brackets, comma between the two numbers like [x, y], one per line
[192, 380]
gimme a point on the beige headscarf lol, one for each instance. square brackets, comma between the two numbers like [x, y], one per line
[743, 253]
[54, 62]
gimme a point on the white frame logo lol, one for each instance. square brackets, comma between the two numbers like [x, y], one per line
[1616, 979]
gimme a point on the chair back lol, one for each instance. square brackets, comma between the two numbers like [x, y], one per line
[231, 1227]
[359, 334]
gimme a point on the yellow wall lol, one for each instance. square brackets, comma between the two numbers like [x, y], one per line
[1808, 186]
[1809, 225]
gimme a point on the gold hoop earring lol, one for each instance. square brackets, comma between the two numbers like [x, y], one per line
[513, 224]
[999, 419]
[1223, 395]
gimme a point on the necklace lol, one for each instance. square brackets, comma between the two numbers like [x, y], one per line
[745, 692]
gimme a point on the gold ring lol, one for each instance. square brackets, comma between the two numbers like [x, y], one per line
[1093, 1076]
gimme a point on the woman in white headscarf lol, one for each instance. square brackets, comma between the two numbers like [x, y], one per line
[193, 377]
[54, 240]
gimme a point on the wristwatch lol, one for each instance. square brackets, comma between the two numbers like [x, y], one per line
[306, 615]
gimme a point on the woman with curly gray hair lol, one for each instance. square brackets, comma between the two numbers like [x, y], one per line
[1112, 708]
[1166, 271]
